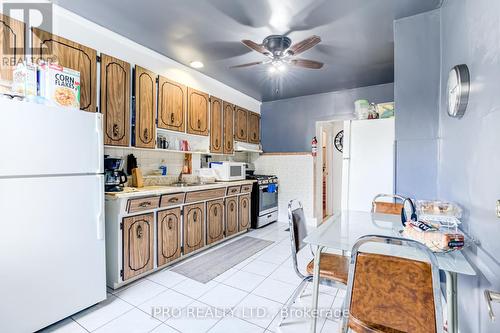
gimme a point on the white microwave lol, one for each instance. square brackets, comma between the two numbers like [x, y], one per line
[229, 171]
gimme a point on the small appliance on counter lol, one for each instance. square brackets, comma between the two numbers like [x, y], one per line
[229, 171]
[114, 177]
[264, 199]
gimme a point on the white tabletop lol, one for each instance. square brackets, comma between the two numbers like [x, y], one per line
[347, 227]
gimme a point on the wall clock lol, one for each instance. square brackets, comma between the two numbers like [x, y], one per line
[458, 91]
[339, 141]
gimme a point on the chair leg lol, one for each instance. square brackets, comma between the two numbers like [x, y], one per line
[286, 309]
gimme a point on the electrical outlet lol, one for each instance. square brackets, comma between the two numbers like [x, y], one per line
[498, 208]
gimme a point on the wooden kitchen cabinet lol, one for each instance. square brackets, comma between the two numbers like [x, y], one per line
[55, 49]
[138, 234]
[115, 100]
[168, 235]
[241, 124]
[244, 212]
[194, 227]
[145, 108]
[198, 107]
[172, 105]
[12, 37]
[216, 133]
[228, 127]
[215, 221]
[231, 216]
[253, 127]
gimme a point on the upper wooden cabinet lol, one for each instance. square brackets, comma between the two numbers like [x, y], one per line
[241, 124]
[172, 105]
[168, 241]
[145, 108]
[138, 234]
[216, 135]
[66, 53]
[115, 100]
[253, 127]
[228, 127]
[12, 38]
[197, 118]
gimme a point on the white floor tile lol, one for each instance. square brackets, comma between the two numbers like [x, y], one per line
[67, 325]
[286, 273]
[323, 289]
[232, 325]
[223, 297]
[295, 325]
[102, 313]
[260, 267]
[225, 275]
[140, 292]
[275, 290]
[244, 280]
[164, 329]
[194, 288]
[164, 305]
[243, 263]
[274, 257]
[330, 327]
[196, 317]
[134, 321]
[257, 310]
[166, 278]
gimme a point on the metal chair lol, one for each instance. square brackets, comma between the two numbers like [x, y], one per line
[392, 294]
[333, 267]
[395, 208]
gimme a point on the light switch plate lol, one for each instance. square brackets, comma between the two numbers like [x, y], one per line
[498, 208]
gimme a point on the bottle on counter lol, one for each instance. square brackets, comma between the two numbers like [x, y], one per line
[163, 168]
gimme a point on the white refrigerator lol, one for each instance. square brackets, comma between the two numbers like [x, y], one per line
[52, 255]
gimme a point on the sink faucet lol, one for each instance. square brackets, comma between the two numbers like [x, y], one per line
[179, 179]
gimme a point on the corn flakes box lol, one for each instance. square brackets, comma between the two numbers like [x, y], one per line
[59, 85]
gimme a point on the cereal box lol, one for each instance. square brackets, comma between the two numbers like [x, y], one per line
[59, 85]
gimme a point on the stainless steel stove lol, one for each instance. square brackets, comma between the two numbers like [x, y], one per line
[264, 200]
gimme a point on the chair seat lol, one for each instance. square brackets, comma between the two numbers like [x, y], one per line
[332, 266]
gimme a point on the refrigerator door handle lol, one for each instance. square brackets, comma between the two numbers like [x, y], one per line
[100, 215]
[100, 143]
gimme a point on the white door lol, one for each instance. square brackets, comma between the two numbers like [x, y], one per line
[52, 254]
[370, 161]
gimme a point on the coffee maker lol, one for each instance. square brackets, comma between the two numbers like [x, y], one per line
[114, 177]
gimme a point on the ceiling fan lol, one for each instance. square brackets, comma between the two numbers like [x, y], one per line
[280, 52]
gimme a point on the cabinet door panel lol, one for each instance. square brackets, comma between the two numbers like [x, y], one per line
[115, 100]
[137, 245]
[145, 108]
[253, 127]
[241, 124]
[169, 235]
[12, 39]
[194, 227]
[67, 53]
[216, 144]
[244, 212]
[198, 105]
[215, 221]
[172, 105]
[228, 128]
[231, 215]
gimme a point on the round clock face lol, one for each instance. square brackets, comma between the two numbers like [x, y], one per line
[339, 141]
[458, 91]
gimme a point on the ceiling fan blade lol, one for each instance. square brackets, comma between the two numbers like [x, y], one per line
[248, 65]
[304, 45]
[306, 63]
[256, 47]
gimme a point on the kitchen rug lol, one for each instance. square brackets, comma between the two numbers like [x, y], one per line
[207, 266]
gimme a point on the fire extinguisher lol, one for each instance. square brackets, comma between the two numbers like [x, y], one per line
[314, 147]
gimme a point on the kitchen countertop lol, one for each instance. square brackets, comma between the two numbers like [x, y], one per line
[131, 192]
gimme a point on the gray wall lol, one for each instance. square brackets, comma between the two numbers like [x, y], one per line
[416, 95]
[289, 125]
[469, 149]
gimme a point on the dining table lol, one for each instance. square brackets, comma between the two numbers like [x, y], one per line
[344, 228]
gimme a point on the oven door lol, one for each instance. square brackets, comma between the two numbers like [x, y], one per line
[268, 201]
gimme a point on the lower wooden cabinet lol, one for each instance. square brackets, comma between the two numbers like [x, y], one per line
[244, 212]
[231, 216]
[215, 221]
[194, 227]
[138, 247]
[168, 235]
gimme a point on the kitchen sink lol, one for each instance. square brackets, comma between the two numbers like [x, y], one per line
[185, 184]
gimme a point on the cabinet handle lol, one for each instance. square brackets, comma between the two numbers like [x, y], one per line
[254, 136]
[195, 215]
[215, 211]
[173, 199]
[232, 206]
[115, 130]
[172, 118]
[244, 204]
[216, 142]
[199, 123]
[146, 135]
[229, 144]
[145, 204]
[242, 132]
[139, 232]
[170, 224]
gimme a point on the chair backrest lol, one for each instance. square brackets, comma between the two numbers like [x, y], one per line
[298, 230]
[393, 208]
[393, 294]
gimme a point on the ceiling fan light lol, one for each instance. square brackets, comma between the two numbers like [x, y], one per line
[282, 67]
[272, 69]
[196, 64]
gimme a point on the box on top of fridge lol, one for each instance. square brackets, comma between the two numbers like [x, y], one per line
[59, 85]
